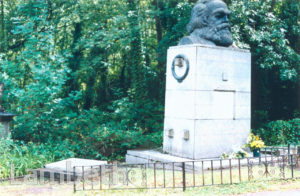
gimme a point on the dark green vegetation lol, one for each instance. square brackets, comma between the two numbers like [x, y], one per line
[280, 132]
[19, 157]
[91, 73]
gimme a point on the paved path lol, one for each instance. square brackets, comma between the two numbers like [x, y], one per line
[275, 193]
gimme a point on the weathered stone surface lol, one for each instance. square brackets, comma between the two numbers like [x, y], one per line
[189, 82]
[213, 103]
[207, 65]
[152, 156]
[214, 137]
[178, 145]
[4, 129]
[68, 164]
[5, 119]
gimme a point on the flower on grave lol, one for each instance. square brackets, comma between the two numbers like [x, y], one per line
[257, 144]
[240, 154]
[254, 142]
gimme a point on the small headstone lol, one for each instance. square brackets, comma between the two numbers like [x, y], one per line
[68, 164]
[5, 117]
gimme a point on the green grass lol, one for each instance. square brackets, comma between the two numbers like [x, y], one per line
[241, 184]
[26, 156]
[209, 178]
[67, 190]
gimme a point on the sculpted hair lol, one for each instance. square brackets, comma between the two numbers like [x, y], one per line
[198, 15]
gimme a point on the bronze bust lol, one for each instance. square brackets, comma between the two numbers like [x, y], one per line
[209, 24]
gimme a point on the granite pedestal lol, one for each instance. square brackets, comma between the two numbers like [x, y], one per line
[208, 112]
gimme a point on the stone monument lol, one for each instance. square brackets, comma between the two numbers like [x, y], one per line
[5, 117]
[208, 89]
[208, 92]
[207, 104]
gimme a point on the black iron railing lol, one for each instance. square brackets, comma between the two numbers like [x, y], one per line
[186, 174]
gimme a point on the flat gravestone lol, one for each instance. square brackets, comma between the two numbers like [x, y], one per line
[66, 166]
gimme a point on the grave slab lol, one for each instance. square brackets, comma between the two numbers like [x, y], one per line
[66, 166]
[152, 156]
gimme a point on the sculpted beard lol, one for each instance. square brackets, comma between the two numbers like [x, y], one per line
[220, 35]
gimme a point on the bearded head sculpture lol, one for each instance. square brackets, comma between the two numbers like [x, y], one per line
[209, 24]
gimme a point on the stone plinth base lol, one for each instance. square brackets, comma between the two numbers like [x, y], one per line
[152, 156]
[208, 101]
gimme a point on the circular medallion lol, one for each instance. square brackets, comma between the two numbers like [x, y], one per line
[180, 67]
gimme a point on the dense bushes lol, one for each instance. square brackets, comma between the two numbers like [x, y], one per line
[92, 133]
[280, 132]
[108, 136]
[29, 156]
[111, 141]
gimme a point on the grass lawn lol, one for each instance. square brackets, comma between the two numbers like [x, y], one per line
[150, 178]
[261, 183]
[159, 178]
[66, 190]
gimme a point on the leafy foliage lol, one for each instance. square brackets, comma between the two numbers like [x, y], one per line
[280, 132]
[22, 157]
[260, 26]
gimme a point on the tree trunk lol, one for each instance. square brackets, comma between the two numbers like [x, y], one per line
[272, 5]
[157, 21]
[74, 62]
[3, 40]
[135, 58]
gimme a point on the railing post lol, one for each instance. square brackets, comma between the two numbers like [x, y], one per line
[230, 169]
[92, 180]
[272, 155]
[100, 178]
[203, 180]
[248, 168]
[110, 176]
[194, 180]
[173, 174]
[212, 171]
[289, 152]
[240, 173]
[83, 178]
[146, 178]
[221, 170]
[183, 176]
[154, 173]
[265, 154]
[292, 166]
[259, 158]
[283, 165]
[164, 173]
[74, 178]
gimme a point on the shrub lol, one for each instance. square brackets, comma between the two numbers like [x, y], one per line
[94, 133]
[111, 140]
[29, 156]
[280, 132]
